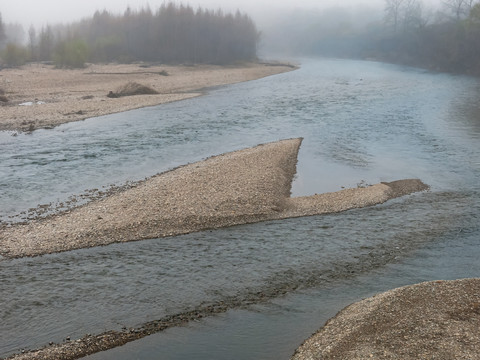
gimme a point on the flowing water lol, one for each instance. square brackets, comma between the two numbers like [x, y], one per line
[362, 122]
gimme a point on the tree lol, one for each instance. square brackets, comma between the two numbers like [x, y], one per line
[393, 10]
[404, 15]
[32, 42]
[474, 15]
[14, 55]
[46, 44]
[3, 36]
[456, 7]
[71, 54]
[459, 8]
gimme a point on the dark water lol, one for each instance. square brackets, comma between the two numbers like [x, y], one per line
[363, 122]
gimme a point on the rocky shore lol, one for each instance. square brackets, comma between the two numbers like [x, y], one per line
[431, 320]
[240, 187]
[39, 96]
[245, 186]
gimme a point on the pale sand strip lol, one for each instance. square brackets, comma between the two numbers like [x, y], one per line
[240, 187]
[432, 320]
[77, 94]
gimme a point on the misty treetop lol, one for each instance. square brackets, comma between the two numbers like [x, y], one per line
[172, 34]
[451, 42]
[444, 38]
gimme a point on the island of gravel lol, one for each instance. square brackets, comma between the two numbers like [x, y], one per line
[240, 187]
[431, 320]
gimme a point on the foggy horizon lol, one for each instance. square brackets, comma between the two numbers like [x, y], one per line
[38, 14]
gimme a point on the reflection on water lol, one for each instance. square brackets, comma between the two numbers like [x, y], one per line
[362, 122]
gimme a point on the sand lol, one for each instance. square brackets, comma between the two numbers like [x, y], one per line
[55, 96]
[431, 320]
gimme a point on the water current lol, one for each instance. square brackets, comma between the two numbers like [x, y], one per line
[362, 123]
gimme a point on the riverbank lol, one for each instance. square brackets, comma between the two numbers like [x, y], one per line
[40, 96]
[438, 319]
[240, 187]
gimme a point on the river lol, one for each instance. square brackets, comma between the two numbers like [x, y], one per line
[362, 123]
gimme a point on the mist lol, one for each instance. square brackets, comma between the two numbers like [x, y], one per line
[412, 32]
[32, 12]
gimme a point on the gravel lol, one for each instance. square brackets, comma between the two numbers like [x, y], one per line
[431, 320]
[245, 186]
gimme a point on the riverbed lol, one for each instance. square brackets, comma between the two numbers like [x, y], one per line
[362, 123]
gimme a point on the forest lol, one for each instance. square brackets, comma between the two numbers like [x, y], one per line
[441, 38]
[451, 42]
[172, 34]
[444, 38]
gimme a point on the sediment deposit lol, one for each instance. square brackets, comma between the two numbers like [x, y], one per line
[240, 187]
[431, 320]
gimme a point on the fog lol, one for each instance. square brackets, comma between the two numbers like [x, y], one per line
[39, 13]
[411, 32]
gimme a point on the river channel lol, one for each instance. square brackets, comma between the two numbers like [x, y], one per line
[362, 123]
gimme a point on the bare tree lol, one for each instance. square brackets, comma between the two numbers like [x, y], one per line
[459, 8]
[412, 15]
[393, 10]
[32, 42]
[46, 43]
[3, 35]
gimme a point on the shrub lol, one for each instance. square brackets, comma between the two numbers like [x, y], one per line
[71, 54]
[14, 55]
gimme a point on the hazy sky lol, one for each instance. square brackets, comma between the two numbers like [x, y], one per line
[41, 12]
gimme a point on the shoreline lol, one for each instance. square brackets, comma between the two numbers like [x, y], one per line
[435, 319]
[240, 187]
[40, 96]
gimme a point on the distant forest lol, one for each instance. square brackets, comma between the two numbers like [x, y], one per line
[172, 34]
[408, 32]
[446, 38]
[451, 42]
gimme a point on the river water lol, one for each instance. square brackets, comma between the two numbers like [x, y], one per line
[362, 122]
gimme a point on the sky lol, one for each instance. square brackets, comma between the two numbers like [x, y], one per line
[42, 12]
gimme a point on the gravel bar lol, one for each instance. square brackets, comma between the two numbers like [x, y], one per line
[431, 320]
[240, 187]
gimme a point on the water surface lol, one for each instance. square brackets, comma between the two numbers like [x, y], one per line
[363, 122]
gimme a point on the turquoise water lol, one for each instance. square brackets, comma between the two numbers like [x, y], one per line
[362, 122]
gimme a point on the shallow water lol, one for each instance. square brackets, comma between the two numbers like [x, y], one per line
[363, 122]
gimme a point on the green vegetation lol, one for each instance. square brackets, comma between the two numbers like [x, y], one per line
[14, 55]
[445, 38]
[172, 34]
[71, 54]
[452, 43]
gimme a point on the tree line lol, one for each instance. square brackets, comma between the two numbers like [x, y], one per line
[451, 42]
[445, 38]
[172, 34]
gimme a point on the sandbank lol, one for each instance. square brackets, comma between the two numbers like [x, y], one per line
[240, 187]
[431, 320]
[41, 96]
